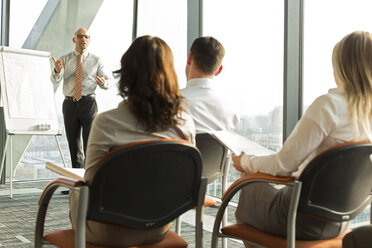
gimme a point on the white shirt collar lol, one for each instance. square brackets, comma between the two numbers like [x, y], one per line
[76, 53]
[338, 91]
[206, 82]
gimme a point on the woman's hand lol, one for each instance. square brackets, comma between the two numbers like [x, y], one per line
[237, 162]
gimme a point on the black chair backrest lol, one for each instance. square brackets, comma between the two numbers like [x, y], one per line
[214, 155]
[146, 185]
[337, 184]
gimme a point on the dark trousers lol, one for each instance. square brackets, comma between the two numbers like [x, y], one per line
[78, 116]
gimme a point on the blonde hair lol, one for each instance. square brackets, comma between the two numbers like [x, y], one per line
[352, 65]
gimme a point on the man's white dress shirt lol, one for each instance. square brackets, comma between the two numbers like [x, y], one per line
[209, 109]
[92, 67]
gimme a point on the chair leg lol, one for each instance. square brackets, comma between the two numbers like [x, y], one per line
[199, 214]
[81, 219]
[224, 223]
[199, 228]
[224, 188]
[291, 225]
[178, 225]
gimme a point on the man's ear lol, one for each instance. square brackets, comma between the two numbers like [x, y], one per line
[219, 70]
[189, 58]
[73, 40]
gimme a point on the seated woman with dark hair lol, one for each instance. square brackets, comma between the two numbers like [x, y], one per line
[151, 109]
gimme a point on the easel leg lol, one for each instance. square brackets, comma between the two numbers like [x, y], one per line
[11, 167]
[4, 153]
[60, 152]
[14, 168]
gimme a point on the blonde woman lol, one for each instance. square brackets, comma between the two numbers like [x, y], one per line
[341, 115]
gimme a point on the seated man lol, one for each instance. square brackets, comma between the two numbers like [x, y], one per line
[208, 108]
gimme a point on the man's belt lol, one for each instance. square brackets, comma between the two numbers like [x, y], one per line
[71, 98]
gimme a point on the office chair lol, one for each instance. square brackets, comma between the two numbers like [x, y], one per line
[160, 179]
[214, 155]
[336, 185]
[215, 165]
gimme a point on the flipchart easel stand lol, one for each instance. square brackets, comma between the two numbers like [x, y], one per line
[27, 110]
[9, 142]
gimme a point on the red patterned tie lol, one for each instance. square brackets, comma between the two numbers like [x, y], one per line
[78, 77]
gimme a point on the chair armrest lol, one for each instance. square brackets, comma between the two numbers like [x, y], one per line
[44, 200]
[60, 182]
[235, 187]
[257, 177]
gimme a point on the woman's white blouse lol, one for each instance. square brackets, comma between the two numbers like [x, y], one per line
[325, 123]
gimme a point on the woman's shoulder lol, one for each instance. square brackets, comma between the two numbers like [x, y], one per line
[119, 113]
[334, 97]
[187, 126]
[332, 104]
[187, 119]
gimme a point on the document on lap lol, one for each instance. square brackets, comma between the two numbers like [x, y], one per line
[75, 173]
[238, 143]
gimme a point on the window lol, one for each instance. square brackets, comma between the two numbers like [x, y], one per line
[1, 24]
[111, 32]
[110, 25]
[23, 15]
[167, 19]
[323, 27]
[252, 75]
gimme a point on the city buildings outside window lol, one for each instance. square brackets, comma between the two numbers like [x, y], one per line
[252, 75]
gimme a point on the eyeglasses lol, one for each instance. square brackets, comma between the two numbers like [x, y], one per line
[80, 36]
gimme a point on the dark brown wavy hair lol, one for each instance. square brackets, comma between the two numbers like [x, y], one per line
[148, 82]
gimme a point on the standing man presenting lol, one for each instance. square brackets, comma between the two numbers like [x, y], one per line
[208, 107]
[81, 73]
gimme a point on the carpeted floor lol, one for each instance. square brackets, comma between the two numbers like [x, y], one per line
[18, 215]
